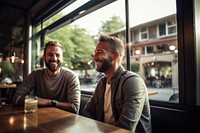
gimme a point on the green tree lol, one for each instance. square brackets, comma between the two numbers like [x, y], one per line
[84, 49]
[63, 36]
[113, 24]
[135, 67]
[78, 46]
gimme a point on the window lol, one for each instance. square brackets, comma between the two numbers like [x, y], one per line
[143, 34]
[166, 29]
[150, 50]
[159, 66]
[81, 31]
[59, 13]
[132, 53]
[162, 29]
[171, 28]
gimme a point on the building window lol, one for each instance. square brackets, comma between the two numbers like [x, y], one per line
[171, 26]
[150, 49]
[166, 29]
[162, 29]
[143, 34]
[131, 52]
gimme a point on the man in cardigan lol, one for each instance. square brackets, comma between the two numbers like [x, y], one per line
[121, 97]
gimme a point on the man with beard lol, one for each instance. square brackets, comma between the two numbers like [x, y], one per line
[121, 97]
[53, 85]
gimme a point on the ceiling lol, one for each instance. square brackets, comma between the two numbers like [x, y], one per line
[13, 16]
[12, 10]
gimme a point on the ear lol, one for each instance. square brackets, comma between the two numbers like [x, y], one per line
[43, 58]
[115, 55]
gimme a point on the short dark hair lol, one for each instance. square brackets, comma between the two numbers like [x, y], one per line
[51, 43]
[115, 43]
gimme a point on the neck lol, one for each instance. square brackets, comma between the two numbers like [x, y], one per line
[53, 74]
[110, 73]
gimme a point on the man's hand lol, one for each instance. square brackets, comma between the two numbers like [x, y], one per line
[44, 102]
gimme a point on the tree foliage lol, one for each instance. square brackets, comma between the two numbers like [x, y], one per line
[113, 24]
[135, 67]
[78, 46]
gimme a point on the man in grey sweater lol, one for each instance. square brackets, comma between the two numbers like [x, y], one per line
[53, 85]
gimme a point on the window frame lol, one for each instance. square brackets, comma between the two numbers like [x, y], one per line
[144, 32]
[166, 28]
[187, 87]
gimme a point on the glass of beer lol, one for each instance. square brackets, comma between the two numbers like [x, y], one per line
[31, 104]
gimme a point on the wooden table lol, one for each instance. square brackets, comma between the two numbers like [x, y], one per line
[151, 93]
[50, 120]
[9, 88]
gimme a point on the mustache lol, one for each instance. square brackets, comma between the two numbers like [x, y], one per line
[98, 60]
[53, 61]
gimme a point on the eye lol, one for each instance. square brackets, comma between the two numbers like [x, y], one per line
[50, 54]
[98, 51]
[58, 55]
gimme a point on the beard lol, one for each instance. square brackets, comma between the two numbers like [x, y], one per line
[106, 64]
[51, 68]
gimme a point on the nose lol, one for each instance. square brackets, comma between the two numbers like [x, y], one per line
[54, 57]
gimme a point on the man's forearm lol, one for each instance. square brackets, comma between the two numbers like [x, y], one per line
[62, 105]
[20, 100]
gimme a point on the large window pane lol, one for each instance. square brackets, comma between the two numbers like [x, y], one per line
[159, 63]
[79, 39]
[109, 22]
[154, 49]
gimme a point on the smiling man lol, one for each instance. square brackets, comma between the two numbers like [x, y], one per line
[54, 85]
[121, 97]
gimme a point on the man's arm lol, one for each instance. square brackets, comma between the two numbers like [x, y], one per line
[74, 96]
[90, 109]
[24, 89]
[62, 105]
[134, 92]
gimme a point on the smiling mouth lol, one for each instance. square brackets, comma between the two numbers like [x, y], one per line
[53, 63]
[98, 63]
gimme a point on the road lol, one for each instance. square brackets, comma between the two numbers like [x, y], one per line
[164, 94]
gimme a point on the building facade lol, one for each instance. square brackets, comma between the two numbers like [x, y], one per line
[153, 48]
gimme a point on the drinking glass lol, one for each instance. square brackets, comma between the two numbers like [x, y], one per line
[31, 104]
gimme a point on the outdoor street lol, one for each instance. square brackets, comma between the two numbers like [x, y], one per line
[163, 93]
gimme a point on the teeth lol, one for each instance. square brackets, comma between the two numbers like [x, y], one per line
[98, 63]
[53, 63]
